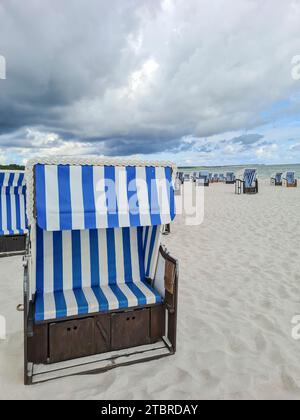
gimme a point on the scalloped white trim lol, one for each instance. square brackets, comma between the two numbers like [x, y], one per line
[79, 161]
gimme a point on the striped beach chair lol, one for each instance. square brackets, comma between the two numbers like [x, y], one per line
[230, 178]
[215, 178]
[277, 179]
[290, 180]
[99, 287]
[13, 224]
[203, 178]
[249, 183]
[222, 178]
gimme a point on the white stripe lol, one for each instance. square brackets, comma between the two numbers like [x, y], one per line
[85, 258]
[71, 303]
[162, 192]
[48, 262]
[134, 255]
[4, 216]
[100, 196]
[113, 302]
[49, 306]
[92, 301]
[13, 198]
[22, 211]
[103, 264]
[76, 197]
[150, 296]
[142, 193]
[131, 297]
[52, 201]
[118, 232]
[122, 199]
[6, 179]
[67, 260]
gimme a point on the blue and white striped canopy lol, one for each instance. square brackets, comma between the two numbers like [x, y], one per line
[78, 197]
[13, 211]
[12, 179]
[249, 177]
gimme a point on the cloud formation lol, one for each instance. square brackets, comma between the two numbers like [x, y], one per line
[141, 77]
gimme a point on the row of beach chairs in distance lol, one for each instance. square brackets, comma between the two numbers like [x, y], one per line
[288, 179]
[100, 290]
[205, 177]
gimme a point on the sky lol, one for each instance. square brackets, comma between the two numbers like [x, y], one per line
[199, 82]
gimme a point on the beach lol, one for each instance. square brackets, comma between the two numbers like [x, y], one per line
[239, 289]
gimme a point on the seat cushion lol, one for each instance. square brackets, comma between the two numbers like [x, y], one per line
[88, 300]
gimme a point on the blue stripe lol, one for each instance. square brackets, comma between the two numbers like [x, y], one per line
[76, 260]
[2, 175]
[151, 248]
[88, 197]
[21, 179]
[8, 210]
[64, 194]
[39, 260]
[142, 300]
[127, 255]
[111, 197]
[18, 212]
[94, 258]
[122, 299]
[11, 179]
[140, 252]
[111, 256]
[41, 196]
[134, 211]
[146, 238]
[83, 306]
[170, 190]
[39, 307]
[101, 298]
[153, 196]
[57, 261]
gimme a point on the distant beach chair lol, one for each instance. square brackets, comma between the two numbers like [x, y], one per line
[187, 177]
[203, 179]
[249, 183]
[99, 289]
[277, 179]
[222, 178]
[215, 178]
[13, 223]
[290, 180]
[210, 176]
[230, 178]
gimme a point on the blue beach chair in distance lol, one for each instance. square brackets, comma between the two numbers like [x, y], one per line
[13, 222]
[249, 183]
[277, 179]
[99, 288]
[230, 178]
[290, 180]
[203, 178]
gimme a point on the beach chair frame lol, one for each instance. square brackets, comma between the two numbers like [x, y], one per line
[98, 342]
[240, 187]
[290, 184]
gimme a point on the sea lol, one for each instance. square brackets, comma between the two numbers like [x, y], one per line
[263, 171]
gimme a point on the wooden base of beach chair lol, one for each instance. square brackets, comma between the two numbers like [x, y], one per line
[12, 245]
[292, 185]
[95, 343]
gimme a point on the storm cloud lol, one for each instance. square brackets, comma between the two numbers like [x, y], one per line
[142, 77]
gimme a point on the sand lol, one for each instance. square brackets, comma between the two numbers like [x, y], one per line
[239, 290]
